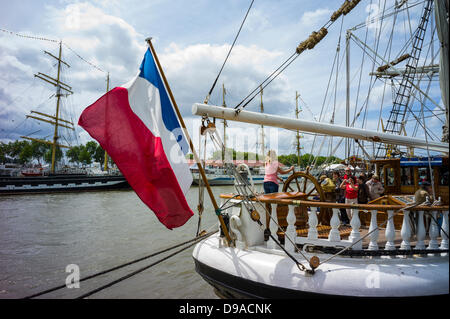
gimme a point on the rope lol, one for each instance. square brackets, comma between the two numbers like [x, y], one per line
[28, 36]
[259, 87]
[201, 187]
[124, 265]
[143, 268]
[52, 40]
[83, 59]
[313, 39]
[245, 199]
[231, 48]
[243, 188]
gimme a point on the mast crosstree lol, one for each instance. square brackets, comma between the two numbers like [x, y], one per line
[54, 120]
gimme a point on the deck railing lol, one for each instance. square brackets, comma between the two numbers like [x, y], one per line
[437, 235]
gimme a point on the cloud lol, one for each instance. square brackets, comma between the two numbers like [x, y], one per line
[314, 19]
[101, 39]
[191, 46]
[257, 21]
[191, 71]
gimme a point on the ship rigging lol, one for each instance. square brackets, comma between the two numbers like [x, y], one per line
[289, 254]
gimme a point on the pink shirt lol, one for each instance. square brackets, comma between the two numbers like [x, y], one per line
[271, 172]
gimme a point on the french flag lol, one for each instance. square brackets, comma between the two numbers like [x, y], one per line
[138, 127]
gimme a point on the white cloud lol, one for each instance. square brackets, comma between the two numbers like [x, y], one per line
[191, 70]
[192, 46]
[314, 18]
[11, 61]
[257, 21]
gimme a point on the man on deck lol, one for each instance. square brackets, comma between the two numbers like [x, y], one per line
[421, 194]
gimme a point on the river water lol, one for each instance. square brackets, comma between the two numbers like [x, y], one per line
[40, 235]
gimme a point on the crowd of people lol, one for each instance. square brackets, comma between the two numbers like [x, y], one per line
[347, 189]
[350, 189]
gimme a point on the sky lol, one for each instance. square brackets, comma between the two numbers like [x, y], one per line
[192, 39]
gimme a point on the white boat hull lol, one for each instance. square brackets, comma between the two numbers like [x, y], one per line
[255, 273]
[216, 180]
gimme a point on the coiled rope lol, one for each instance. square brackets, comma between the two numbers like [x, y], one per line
[192, 241]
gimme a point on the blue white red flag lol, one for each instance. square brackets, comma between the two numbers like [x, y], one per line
[138, 127]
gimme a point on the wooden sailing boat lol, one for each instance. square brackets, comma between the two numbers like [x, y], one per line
[289, 255]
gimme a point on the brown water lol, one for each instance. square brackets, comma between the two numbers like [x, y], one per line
[41, 234]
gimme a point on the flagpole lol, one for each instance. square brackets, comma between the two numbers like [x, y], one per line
[196, 158]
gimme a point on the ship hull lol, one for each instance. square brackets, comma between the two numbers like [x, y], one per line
[253, 273]
[226, 180]
[60, 183]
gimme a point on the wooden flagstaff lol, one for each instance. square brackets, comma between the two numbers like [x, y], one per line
[191, 145]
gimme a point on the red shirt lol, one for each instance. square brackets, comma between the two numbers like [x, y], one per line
[350, 192]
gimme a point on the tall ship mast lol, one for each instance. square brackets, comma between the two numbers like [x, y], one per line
[35, 180]
[62, 90]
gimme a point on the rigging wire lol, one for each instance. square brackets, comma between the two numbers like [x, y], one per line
[258, 88]
[243, 190]
[28, 36]
[374, 82]
[55, 41]
[229, 52]
[85, 60]
[314, 38]
[195, 240]
[359, 84]
[386, 52]
[324, 101]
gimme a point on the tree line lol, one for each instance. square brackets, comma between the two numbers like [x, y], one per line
[288, 160]
[307, 160]
[25, 152]
[217, 155]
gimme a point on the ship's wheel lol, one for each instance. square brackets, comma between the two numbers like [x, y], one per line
[305, 183]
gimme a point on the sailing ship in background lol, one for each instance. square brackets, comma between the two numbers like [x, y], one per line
[273, 246]
[38, 179]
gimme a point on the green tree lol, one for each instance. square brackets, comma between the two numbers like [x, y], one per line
[288, 160]
[39, 150]
[74, 154]
[4, 152]
[48, 154]
[15, 148]
[26, 153]
[99, 154]
[91, 147]
[85, 157]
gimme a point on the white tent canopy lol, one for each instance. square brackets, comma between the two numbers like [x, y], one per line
[336, 167]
